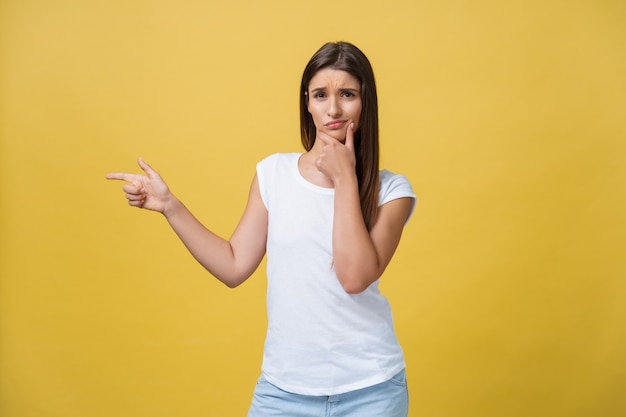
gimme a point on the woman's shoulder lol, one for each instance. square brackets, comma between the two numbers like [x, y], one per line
[389, 178]
[277, 162]
[280, 157]
[394, 186]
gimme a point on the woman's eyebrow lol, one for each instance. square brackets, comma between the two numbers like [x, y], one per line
[318, 89]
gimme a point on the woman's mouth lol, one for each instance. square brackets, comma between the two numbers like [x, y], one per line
[335, 124]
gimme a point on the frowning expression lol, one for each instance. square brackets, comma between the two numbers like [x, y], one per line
[334, 101]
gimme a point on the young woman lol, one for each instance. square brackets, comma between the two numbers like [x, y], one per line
[330, 222]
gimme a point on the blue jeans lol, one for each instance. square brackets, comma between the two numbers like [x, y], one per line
[387, 399]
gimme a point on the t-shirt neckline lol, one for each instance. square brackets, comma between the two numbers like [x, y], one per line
[304, 181]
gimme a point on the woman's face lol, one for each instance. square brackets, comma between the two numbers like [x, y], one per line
[334, 102]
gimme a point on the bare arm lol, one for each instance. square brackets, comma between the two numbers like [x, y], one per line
[231, 261]
[359, 256]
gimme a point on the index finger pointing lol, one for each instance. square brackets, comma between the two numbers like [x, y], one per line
[120, 176]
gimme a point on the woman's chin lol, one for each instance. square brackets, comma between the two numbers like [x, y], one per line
[339, 136]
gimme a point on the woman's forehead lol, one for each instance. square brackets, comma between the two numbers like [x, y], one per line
[334, 78]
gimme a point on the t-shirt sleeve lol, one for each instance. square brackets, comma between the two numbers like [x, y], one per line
[264, 171]
[394, 186]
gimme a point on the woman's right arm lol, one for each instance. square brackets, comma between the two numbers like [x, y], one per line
[231, 261]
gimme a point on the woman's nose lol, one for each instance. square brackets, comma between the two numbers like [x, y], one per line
[334, 107]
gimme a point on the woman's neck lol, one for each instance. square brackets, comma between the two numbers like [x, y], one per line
[308, 168]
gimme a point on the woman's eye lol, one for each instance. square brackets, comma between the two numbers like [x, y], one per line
[319, 95]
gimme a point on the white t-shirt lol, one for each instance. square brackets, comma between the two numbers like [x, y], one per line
[320, 339]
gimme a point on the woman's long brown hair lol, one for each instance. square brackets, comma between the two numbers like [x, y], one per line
[347, 57]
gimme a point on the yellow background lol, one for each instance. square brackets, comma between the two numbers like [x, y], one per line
[508, 117]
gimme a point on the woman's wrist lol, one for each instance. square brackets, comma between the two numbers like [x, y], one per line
[171, 206]
[347, 180]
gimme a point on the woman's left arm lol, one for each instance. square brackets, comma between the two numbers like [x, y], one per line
[359, 256]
